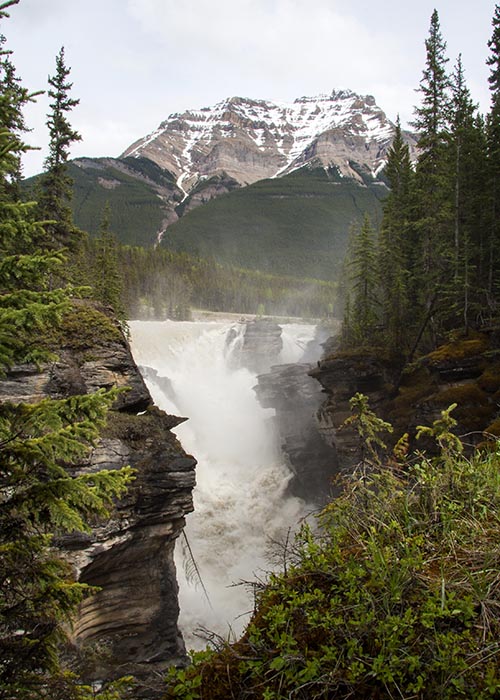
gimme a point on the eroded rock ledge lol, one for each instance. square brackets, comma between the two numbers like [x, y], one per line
[465, 371]
[312, 403]
[260, 347]
[130, 626]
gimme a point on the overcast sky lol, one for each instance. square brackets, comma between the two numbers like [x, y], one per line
[134, 62]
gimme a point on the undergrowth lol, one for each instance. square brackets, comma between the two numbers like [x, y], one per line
[396, 593]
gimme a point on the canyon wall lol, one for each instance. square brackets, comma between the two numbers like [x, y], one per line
[464, 371]
[130, 625]
[312, 403]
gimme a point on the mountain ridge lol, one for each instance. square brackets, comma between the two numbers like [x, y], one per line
[250, 140]
[288, 180]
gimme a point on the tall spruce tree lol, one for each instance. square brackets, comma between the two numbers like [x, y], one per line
[13, 97]
[56, 192]
[433, 215]
[395, 245]
[107, 281]
[431, 117]
[361, 324]
[493, 145]
[467, 166]
[39, 444]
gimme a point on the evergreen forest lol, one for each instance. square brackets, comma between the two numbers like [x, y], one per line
[434, 265]
[41, 496]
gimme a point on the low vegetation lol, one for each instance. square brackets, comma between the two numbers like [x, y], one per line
[393, 592]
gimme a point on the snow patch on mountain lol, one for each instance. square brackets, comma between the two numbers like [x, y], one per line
[252, 139]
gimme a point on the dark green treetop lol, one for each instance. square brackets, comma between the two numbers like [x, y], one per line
[363, 285]
[56, 185]
[493, 145]
[493, 59]
[432, 114]
[107, 281]
[395, 243]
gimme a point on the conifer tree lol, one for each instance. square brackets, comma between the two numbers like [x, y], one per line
[396, 246]
[13, 97]
[493, 145]
[467, 165]
[39, 444]
[107, 281]
[433, 186]
[432, 114]
[55, 185]
[362, 270]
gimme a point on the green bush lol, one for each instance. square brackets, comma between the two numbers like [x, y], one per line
[394, 595]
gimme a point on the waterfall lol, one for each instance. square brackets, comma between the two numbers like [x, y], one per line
[240, 501]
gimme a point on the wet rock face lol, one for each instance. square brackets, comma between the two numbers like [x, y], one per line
[261, 346]
[465, 372]
[130, 557]
[130, 625]
[341, 378]
[296, 397]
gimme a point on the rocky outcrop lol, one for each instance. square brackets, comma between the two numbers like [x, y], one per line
[260, 346]
[207, 189]
[465, 371]
[130, 625]
[342, 376]
[296, 397]
[123, 175]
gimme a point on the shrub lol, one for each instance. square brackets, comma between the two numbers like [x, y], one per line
[396, 595]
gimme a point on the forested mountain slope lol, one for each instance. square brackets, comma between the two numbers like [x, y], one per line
[279, 185]
[294, 225]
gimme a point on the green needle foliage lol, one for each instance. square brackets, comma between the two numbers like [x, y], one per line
[393, 595]
[40, 498]
[42, 446]
[363, 304]
[56, 185]
[437, 250]
[108, 283]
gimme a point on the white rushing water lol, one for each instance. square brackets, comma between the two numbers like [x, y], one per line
[240, 503]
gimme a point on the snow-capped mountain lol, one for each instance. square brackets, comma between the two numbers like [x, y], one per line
[250, 140]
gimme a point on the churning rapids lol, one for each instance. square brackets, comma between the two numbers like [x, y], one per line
[240, 501]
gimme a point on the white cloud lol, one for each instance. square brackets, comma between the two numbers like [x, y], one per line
[279, 49]
[284, 39]
[136, 61]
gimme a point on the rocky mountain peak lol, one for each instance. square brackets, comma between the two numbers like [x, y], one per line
[249, 139]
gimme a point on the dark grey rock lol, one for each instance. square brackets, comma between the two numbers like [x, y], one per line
[296, 398]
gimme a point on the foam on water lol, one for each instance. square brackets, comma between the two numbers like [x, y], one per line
[240, 501]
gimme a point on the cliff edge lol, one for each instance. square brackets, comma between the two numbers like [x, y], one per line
[130, 625]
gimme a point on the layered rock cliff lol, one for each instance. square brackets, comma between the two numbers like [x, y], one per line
[259, 345]
[312, 403]
[130, 625]
[296, 398]
[465, 371]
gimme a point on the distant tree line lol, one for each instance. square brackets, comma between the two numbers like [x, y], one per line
[434, 265]
[158, 283]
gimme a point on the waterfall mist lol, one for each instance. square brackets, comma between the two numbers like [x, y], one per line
[240, 498]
